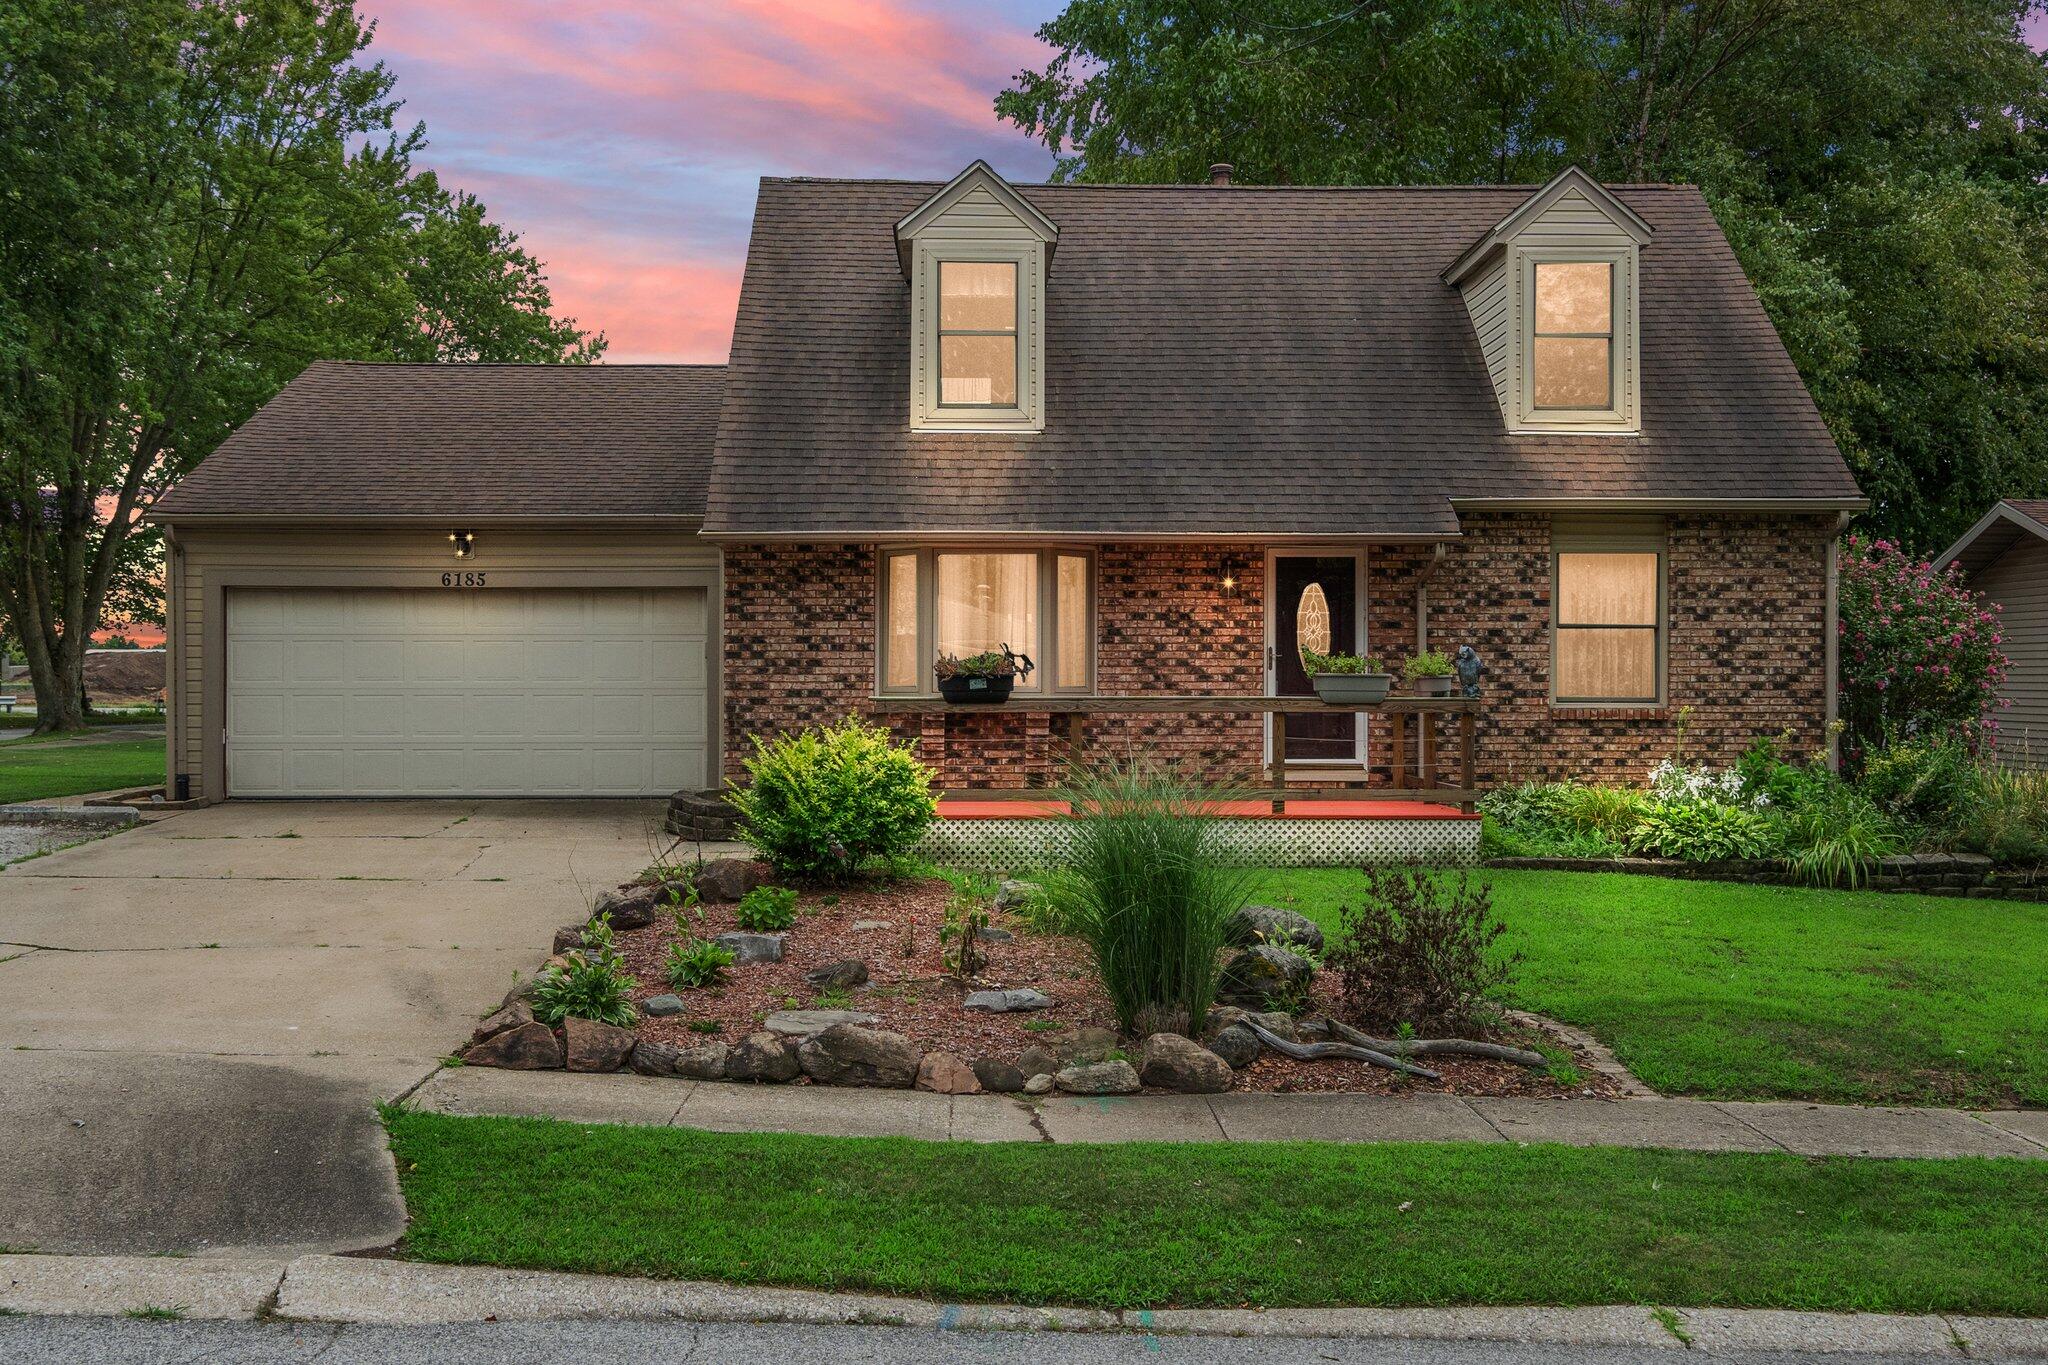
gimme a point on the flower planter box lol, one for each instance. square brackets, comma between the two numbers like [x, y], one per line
[1352, 688]
[964, 690]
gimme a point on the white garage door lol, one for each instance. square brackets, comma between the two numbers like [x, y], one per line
[492, 692]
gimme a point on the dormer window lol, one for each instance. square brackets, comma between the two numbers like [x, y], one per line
[977, 334]
[1571, 360]
[1551, 291]
[975, 256]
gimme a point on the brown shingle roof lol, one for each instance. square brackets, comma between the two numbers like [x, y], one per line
[1248, 361]
[348, 440]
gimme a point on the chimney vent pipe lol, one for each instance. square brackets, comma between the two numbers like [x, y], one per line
[1219, 174]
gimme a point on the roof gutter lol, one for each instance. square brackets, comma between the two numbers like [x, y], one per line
[257, 521]
[1814, 505]
[925, 535]
[2000, 511]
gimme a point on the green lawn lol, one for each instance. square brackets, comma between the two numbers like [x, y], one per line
[1735, 991]
[33, 769]
[1152, 1225]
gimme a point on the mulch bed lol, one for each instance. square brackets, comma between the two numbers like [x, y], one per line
[912, 992]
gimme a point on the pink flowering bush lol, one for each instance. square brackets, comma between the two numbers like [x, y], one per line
[1920, 652]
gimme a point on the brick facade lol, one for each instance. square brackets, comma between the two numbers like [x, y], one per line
[1745, 649]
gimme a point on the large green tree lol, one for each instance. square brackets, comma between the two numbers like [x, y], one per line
[197, 198]
[1878, 165]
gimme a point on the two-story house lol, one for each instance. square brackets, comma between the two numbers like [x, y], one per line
[1157, 437]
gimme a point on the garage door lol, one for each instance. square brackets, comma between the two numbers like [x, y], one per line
[495, 692]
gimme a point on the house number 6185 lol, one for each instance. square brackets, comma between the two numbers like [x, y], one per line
[470, 578]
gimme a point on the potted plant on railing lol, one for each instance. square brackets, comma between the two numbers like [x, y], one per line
[1430, 673]
[982, 678]
[1346, 678]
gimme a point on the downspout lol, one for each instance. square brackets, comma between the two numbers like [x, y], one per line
[174, 658]
[1437, 553]
[1831, 648]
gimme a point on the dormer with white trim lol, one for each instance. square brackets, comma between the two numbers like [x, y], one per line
[975, 255]
[1552, 293]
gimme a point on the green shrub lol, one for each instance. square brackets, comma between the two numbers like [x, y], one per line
[1703, 832]
[1930, 782]
[1607, 812]
[592, 983]
[1920, 650]
[697, 962]
[1419, 952]
[826, 803]
[1148, 885]
[1836, 838]
[1781, 784]
[1558, 820]
[2009, 819]
[766, 910]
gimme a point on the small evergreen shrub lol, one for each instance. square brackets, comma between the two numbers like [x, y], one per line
[766, 910]
[825, 803]
[1419, 950]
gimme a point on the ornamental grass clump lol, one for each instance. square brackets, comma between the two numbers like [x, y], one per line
[1148, 885]
[590, 983]
[827, 804]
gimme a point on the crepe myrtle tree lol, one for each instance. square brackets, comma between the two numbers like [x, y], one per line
[198, 198]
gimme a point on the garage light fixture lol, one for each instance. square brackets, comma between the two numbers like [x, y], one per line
[464, 543]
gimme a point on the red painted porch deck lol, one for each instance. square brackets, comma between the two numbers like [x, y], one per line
[952, 808]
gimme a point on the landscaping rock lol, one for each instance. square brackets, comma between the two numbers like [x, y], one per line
[1008, 1002]
[568, 939]
[522, 992]
[515, 1014]
[1087, 1045]
[1041, 1084]
[1269, 924]
[804, 1023]
[593, 1046]
[843, 975]
[847, 1054]
[1036, 1061]
[1236, 1045]
[529, 1047]
[998, 1077]
[988, 933]
[1223, 1016]
[763, 1057]
[661, 1006]
[1011, 894]
[1262, 975]
[1098, 1078]
[654, 1059]
[862, 926]
[1182, 1065]
[707, 1062]
[630, 907]
[944, 1074]
[752, 947]
[730, 879]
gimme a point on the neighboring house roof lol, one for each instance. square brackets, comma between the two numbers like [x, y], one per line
[1233, 361]
[2007, 523]
[348, 441]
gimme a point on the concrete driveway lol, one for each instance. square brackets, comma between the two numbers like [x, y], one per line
[199, 1015]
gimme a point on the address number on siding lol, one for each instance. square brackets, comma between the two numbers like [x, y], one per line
[471, 578]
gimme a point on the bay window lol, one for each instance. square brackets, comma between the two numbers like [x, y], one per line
[966, 602]
[1607, 620]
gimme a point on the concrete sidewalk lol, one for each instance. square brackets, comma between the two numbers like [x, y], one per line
[339, 1289]
[1693, 1125]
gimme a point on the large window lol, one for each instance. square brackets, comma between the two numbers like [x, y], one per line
[1572, 355]
[1608, 621]
[978, 334]
[963, 602]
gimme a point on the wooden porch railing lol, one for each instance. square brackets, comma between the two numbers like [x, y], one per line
[1403, 714]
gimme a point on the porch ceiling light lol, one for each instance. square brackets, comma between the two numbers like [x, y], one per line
[464, 543]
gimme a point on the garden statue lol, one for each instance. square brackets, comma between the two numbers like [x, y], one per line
[1468, 671]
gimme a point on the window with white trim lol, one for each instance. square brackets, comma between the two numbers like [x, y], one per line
[965, 602]
[1608, 620]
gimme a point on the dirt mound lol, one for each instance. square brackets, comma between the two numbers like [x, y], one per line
[123, 675]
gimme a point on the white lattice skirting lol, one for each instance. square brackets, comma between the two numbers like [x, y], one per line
[1000, 845]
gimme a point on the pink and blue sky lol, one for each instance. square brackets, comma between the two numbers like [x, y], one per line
[623, 140]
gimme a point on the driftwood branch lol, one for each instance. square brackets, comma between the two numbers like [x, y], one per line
[1430, 1047]
[1309, 1052]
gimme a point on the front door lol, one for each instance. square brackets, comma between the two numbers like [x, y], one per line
[1314, 605]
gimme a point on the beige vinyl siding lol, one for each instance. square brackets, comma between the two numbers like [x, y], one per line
[210, 561]
[1489, 300]
[2018, 581]
[1574, 220]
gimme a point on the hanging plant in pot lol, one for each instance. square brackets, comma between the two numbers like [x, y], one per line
[1430, 673]
[1346, 678]
[981, 678]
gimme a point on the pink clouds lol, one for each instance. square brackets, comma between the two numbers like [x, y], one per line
[623, 142]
